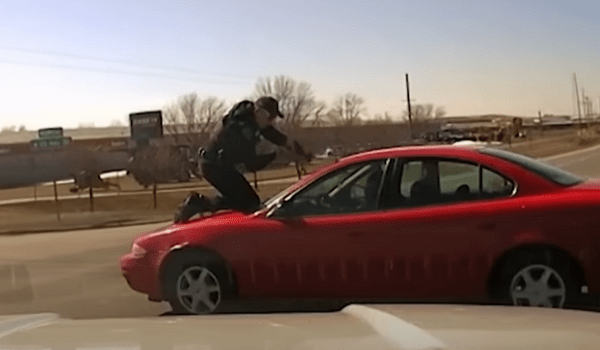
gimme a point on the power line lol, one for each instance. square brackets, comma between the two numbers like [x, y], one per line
[111, 60]
[110, 71]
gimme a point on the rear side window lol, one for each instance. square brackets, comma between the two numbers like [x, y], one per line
[495, 185]
[411, 172]
[439, 181]
[550, 172]
[457, 176]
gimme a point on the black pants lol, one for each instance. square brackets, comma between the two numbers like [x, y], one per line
[236, 191]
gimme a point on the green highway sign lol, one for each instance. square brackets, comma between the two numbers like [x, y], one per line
[51, 143]
[51, 133]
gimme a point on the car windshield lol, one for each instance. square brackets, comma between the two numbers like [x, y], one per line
[550, 172]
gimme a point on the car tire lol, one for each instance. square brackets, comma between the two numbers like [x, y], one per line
[537, 278]
[194, 286]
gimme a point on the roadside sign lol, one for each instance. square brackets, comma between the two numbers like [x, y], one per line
[50, 143]
[51, 133]
[145, 126]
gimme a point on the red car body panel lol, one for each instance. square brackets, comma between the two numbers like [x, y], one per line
[423, 252]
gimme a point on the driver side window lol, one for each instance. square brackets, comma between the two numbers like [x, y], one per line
[354, 188]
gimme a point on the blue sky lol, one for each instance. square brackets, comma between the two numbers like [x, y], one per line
[72, 62]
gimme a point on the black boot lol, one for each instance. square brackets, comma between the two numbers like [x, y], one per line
[193, 204]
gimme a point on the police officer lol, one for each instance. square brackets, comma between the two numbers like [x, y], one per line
[231, 145]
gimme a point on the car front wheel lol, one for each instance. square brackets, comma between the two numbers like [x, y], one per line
[195, 288]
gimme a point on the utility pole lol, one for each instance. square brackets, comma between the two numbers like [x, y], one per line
[56, 201]
[588, 106]
[578, 106]
[584, 103]
[91, 192]
[409, 110]
[541, 122]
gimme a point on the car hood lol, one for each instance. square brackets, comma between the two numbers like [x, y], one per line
[354, 327]
[216, 219]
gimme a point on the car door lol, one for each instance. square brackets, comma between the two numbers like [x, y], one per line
[326, 226]
[439, 229]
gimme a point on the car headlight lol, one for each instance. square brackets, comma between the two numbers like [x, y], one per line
[138, 251]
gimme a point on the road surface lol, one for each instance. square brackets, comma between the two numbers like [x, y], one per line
[585, 162]
[76, 274]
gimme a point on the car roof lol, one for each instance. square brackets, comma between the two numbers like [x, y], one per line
[527, 181]
[403, 151]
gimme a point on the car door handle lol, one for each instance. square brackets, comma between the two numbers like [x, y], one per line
[486, 226]
[356, 234]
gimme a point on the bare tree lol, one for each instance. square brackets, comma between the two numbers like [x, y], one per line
[11, 128]
[439, 112]
[117, 122]
[296, 99]
[157, 164]
[347, 110]
[319, 114]
[85, 125]
[425, 112]
[381, 119]
[190, 118]
[172, 121]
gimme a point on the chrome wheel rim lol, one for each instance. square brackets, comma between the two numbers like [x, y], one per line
[198, 290]
[538, 285]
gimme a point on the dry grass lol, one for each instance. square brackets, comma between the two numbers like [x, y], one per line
[108, 211]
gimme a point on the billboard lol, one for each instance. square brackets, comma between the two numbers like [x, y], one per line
[145, 126]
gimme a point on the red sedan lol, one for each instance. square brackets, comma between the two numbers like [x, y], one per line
[408, 223]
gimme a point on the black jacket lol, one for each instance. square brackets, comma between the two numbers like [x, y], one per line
[235, 140]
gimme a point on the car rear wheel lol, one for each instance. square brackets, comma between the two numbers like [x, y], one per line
[538, 285]
[195, 287]
[537, 278]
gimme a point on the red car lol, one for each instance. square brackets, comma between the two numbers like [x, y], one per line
[408, 223]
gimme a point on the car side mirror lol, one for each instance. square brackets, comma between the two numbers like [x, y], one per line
[272, 213]
[278, 213]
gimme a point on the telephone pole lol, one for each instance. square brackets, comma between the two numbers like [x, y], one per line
[578, 106]
[409, 110]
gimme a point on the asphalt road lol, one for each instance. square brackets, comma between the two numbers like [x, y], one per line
[585, 162]
[76, 274]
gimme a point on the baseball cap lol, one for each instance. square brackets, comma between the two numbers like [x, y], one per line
[270, 105]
